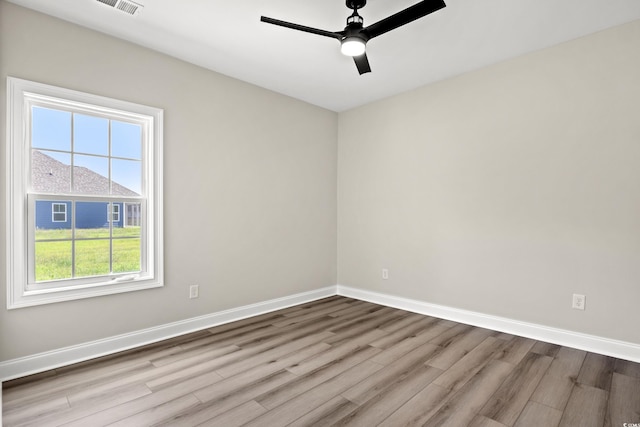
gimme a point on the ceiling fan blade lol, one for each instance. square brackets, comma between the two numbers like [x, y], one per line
[301, 28]
[401, 18]
[362, 63]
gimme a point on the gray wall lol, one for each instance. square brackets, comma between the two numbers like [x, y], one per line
[505, 190]
[250, 184]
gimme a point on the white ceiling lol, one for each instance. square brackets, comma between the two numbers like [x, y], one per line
[227, 36]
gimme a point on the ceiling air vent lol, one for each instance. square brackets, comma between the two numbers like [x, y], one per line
[130, 7]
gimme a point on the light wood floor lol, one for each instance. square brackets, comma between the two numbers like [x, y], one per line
[336, 361]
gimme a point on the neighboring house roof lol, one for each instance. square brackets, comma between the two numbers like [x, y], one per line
[51, 176]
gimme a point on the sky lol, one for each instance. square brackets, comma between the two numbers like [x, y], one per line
[87, 141]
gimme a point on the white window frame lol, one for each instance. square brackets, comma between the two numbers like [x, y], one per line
[21, 94]
[53, 212]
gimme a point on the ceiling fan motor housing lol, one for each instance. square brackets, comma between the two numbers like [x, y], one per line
[355, 30]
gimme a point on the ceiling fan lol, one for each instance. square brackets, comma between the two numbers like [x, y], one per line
[355, 36]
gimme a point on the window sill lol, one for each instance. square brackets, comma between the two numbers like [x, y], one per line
[49, 296]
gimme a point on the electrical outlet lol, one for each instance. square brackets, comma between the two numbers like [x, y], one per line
[579, 301]
[194, 291]
[385, 273]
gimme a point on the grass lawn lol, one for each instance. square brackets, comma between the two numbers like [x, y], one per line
[54, 259]
[87, 233]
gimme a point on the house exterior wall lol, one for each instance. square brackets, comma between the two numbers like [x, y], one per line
[88, 215]
[45, 218]
[94, 215]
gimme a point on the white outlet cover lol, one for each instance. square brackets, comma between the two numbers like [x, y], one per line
[193, 291]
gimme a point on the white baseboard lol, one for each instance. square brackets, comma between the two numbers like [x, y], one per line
[591, 343]
[41, 362]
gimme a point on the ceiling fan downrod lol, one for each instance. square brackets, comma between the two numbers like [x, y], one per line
[355, 19]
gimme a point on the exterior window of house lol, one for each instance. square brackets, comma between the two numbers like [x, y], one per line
[132, 212]
[58, 212]
[83, 158]
[113, 212]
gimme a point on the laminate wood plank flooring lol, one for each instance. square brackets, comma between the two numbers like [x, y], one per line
[335, 362]
[586, 407]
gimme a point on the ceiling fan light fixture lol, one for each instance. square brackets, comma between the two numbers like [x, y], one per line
[352, 46]
[353, 39]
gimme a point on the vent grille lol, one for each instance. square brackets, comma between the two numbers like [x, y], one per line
[130, 8]
[125, 6]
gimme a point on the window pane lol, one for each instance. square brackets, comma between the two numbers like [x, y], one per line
[50, 171]
[92, 257]
[90, 174]
[126, 140]
[52, 220]
[50, 129]
[127, 177]
[91, 220]
[90, 135]
[126, 255]
[52, 260]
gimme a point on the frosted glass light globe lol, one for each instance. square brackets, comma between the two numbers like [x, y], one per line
[352, 46]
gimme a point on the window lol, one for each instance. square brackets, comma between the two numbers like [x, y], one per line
[113, 212]
[133, 215]
[58, 212]
[84, 158]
